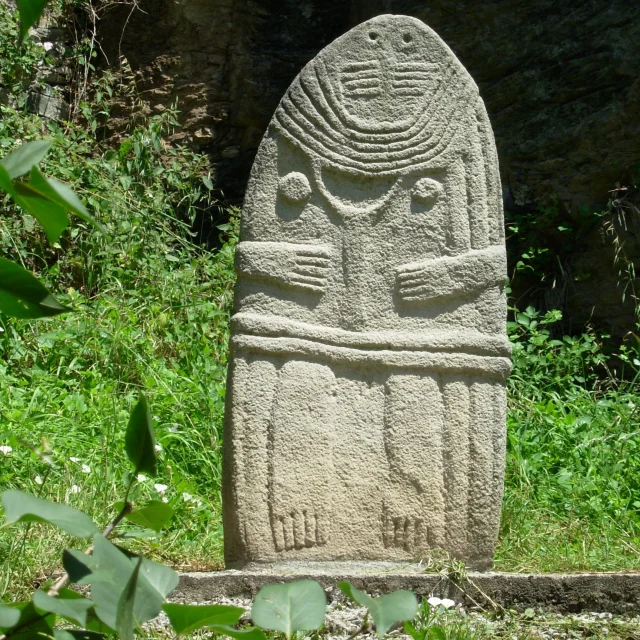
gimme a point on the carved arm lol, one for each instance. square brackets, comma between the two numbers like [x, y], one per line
[302, 266]
[451, 276]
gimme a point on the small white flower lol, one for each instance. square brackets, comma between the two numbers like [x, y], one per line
[433, 601]
[447, 604]
[160, 488]
[141, 477]
[74, 459]
[48, 46]
[86, 468]
[74, 489]
[1, 330]
[187, 497]
[38, 480]
[165, 499]
[6, 449]
[631, 405]
[158, 447]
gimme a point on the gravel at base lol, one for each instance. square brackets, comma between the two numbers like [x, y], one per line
[343, 619]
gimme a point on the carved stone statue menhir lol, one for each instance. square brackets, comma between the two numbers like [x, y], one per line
[366, 402]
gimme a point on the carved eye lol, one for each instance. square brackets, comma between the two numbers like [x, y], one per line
[427, 191]
[295, 187]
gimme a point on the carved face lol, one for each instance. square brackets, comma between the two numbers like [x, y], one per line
[388, 108]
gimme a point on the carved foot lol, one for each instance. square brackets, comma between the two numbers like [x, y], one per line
[298, 530]
[404, 532]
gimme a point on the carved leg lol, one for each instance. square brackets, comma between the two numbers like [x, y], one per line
[486, 457]
[300, 451]
[246, 518]
[413, 514]
[455, 392]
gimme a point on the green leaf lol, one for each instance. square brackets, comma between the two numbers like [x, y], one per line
[31, 622]
[52, 217]
[241, 634]
[62, 195]
[140, 440]
[112, 570]
[30, 12]
[23, 158]
[296, 606]
[186, 618]
[162, 578]
[71, 609]
[76, 564]
[125, 622]
[386, 610]
[23, 296]
[9, 617]
[23, 507]
[437, 633]
[154, 515]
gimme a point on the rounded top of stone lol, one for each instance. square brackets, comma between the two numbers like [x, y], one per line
[382, 98]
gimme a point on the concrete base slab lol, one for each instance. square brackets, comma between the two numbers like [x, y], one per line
[564, 593]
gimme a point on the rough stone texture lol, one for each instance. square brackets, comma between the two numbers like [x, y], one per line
[565, 593]
[366, 401]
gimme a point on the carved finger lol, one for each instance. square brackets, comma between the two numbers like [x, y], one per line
[298, 529]
[415, 276]
[313, 262]
[289, 539]
[314, 252]
[309, 529]
[278, 533]
[416, 291]
[307, 282]
[313, 272]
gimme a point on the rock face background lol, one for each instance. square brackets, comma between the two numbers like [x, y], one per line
[560, 81]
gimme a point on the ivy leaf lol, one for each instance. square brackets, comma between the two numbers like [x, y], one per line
[385, 610]
[154, 515]
[30, 12]
[186, 618]
[125, 622]
[24, 296]
[25, 157]
[23, 507]
[296, 606]
[140, 440]
[72, 609]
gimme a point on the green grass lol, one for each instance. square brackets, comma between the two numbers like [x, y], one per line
[66, 388]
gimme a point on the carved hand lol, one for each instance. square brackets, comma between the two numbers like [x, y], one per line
[303, 266]
[451, 276]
